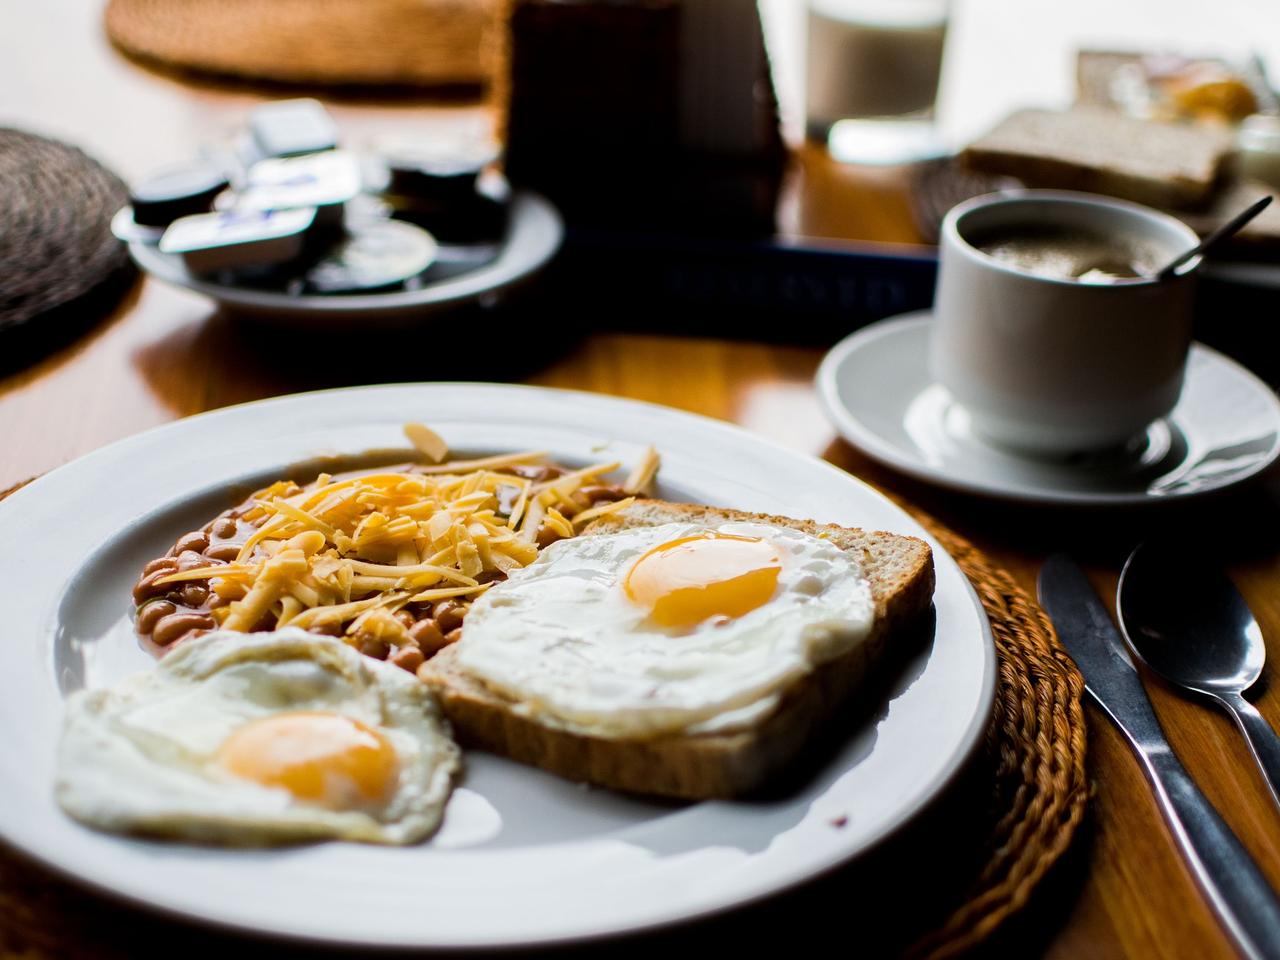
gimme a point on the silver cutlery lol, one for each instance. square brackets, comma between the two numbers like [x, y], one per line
[1189, 624]
[1232, 882]
[1224, 232]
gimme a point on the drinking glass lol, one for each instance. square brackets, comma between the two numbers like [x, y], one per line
[872, 69]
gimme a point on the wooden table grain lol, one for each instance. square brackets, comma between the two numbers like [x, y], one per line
[164, 354]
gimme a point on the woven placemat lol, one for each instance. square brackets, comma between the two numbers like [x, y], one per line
[1035, 746]
[56, 246]
[323, 42]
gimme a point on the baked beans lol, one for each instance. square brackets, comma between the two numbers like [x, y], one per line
[175, 626]
[224, 528]
[448, 615]
[408, 658]
[226, 552]
[152, 612]
[168, 613]
[195, 542]
[427, 635]
[375, 647]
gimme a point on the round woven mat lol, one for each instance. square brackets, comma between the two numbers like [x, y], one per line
[325, 42]
[1035, 746]
[56, 245]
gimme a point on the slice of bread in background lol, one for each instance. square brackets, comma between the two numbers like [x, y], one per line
[705, 765]
[1102, 151]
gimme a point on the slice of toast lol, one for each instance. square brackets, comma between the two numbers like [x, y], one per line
[1086, 148]
[704, 765]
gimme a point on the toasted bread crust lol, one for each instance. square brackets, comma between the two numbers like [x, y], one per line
[706, 765]
[1094, 149]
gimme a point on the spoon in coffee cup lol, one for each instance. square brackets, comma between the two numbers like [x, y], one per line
[1227, 230]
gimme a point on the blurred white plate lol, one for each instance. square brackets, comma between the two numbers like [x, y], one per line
[534, 233]
[523, 856]
[876, 388]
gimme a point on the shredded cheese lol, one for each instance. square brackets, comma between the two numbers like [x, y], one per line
[558, 523]
[601, 510]
[566, 484]
[642, 474]
[487, 463]
[346, 555]
[427, 442]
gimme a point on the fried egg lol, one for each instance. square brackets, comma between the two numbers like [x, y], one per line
[675, 627]
[250, 739]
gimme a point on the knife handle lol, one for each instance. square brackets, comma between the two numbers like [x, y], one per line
[1236, 888]
[1262, 740]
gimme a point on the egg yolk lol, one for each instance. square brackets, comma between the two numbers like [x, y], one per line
[710, 575]
[323, 758]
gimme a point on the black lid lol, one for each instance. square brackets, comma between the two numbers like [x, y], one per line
[437, 171]
[427, 183]
[176, 192]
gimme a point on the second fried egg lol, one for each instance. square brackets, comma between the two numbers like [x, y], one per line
[247, 739]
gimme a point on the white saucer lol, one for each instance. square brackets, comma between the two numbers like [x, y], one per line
[876, 389]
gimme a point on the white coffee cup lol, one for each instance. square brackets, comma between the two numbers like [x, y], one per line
[1055, 366]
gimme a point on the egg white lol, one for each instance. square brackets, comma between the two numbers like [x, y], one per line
[138, 757]
[561, 639]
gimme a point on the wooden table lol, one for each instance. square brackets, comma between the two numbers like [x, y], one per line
[165, 353]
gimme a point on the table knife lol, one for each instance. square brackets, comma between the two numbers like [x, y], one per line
[1235, 887]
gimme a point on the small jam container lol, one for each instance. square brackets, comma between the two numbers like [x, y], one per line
[291, 128]
[437, 185]
[373, 256]
[166, 196]
[324, 181]
[439, 175]
[236, 240]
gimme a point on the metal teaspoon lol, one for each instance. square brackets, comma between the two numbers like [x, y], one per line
[1187, 622]
[1224, 232]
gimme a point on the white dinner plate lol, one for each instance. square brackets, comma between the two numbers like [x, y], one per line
[876, 388]
[523, 857]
